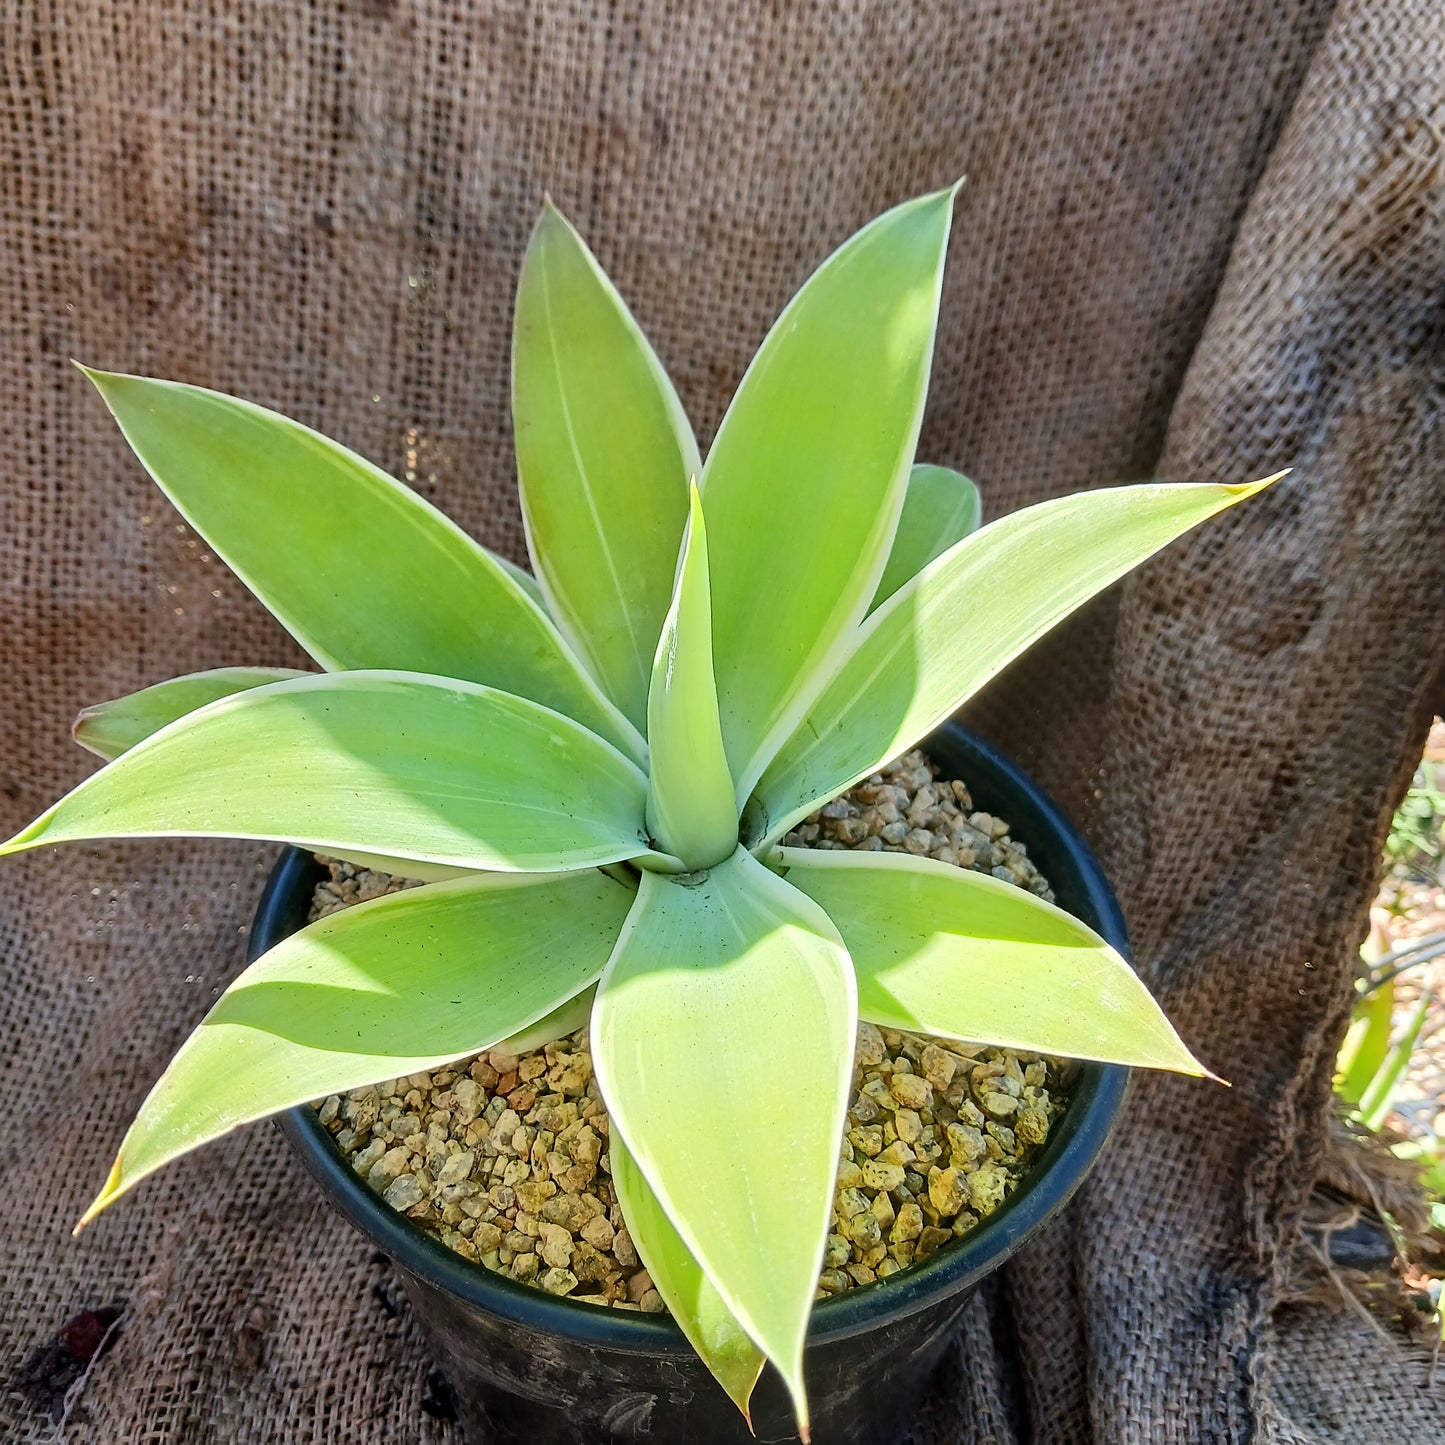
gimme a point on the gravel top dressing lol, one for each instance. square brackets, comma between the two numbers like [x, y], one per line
[504, 1157]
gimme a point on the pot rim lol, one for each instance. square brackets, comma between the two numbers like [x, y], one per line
[996, 784]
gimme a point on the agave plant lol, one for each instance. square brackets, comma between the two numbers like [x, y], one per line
[593, 769]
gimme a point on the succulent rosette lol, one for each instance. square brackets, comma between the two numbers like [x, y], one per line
[593, 767]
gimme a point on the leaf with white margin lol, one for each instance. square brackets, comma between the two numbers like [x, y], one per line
[720, 1341]
[604, 452]
[391, 987]
[402, 764]
[362, 571]
[804, 484]
[722, 1039]
[961, 621]
[952, 952]
[108, 729]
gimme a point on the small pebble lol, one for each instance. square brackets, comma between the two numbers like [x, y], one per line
[1000, 1105]
[908, 1225]
[931, 1241]
[404, 1192]
[457, 1168]
[877, 1175]
[911, 1091]
[556, 1246]
[946, 1191]
[938, 1066]
[557, 1281]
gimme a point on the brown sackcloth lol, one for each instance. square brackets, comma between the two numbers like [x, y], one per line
[1203, 238]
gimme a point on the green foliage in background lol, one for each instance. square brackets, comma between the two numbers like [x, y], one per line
[1375, 1059]
[597, 767]
[1415, 849]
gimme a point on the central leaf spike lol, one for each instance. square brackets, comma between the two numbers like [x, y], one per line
[691, 808]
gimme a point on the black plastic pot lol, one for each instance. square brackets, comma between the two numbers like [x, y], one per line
[527, 1367]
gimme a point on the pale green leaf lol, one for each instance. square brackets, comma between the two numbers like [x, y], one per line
[390, 987]
[604, 453]
[691, 811]
[720, 1341]
[1378, 1099]
[109, 728]
[1367, 1044]
[948, 951]
[358, 568]
[400, 764]
[941, 507]
[960, 621]
[722, 1037]
[804, 483]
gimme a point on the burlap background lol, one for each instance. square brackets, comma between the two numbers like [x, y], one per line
[1203, 238]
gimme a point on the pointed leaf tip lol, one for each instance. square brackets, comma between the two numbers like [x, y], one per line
[552, 214]
[111, 728]
[950, 629]
[725, 1347]
[401, 586]
[810, 464]
[353, 998]
[603, 455]
[991, 964]
[102, 380]
[690, 806]
[1248, 489]
[758, 971]
[110, 1191]
[397, 751]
